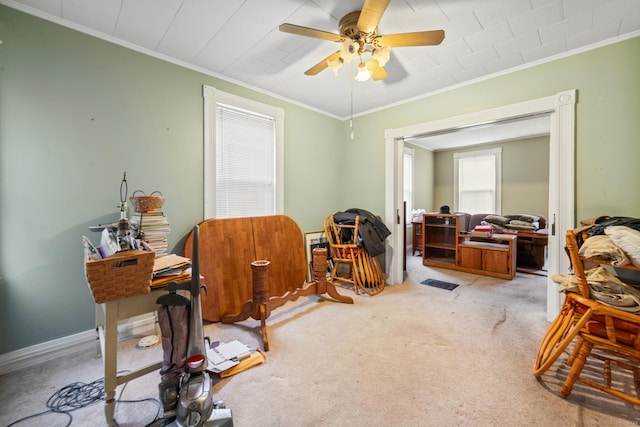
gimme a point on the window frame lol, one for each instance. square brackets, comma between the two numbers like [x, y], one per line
[212, 97]
[496, 153]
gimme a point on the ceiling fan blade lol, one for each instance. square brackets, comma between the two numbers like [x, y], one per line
[310, 32]
[322, 64]
[370, 15]
[377, 72]
[420, 38]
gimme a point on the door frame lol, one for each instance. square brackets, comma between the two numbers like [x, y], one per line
[561, 215]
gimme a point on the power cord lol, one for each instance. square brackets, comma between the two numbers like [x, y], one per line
[80, 395]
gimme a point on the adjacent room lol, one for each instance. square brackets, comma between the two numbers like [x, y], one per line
[319, 212]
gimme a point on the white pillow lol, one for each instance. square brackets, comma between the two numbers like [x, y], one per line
[627, 239]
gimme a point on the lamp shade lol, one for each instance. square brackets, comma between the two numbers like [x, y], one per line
[363, 73]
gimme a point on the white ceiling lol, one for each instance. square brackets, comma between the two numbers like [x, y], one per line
[484, 133]
[239, 40]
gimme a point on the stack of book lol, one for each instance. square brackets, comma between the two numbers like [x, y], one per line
[482, 231]
[152, 227]
[170, 268]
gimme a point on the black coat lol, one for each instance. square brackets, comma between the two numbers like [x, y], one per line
[372, 231]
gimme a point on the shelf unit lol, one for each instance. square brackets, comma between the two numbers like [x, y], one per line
[440, 239]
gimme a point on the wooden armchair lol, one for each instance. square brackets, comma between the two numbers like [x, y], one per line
[607, 336]
[364, 271]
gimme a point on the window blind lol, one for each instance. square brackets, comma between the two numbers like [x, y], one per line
[245, 163]
[477, 184]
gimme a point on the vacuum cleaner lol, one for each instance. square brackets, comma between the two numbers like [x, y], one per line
[185, 387]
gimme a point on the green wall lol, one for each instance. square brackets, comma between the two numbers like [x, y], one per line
[76, 112]
[423, 178]
[525, 175]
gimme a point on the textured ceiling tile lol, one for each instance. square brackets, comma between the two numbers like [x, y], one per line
[450, 51]
[593, 35]
[518, 44]
[194, 25]
[490, 36]
[101, 15]
[561, 30]
[503, 63]
[544, 51]
[545, 15]
[138, 26]
[447, 69]
[478, 58]
[491, 12]
[470, 73]
[54, 7]
[461, 27]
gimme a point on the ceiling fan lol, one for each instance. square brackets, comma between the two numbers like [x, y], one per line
[358, 37]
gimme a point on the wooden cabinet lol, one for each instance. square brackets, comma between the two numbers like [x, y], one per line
[446, 245]
[417, 237]
[440, 234]
[494, 256]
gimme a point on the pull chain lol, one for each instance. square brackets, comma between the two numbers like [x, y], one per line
[351, 79]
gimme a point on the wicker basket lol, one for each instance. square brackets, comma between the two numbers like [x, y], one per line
[147, 203]
[121, 275]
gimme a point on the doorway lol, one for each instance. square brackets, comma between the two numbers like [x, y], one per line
[561, 216]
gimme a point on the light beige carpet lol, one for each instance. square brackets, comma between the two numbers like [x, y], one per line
[413, 355]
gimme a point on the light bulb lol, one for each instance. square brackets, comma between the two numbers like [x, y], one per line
[363, 73]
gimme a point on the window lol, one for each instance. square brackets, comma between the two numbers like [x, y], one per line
[477, 181]
[408, 182]
[243, 146]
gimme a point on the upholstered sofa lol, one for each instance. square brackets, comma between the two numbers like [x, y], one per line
[537, 222]
[530, 229]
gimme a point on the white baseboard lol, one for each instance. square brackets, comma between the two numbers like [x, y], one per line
[83, 341]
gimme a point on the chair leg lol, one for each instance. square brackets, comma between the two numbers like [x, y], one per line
[576, 368]
[636, 380]
[574, 352]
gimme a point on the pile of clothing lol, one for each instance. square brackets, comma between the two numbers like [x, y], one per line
[371, 232]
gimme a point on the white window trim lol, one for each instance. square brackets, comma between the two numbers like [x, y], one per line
[213, 96]
[497, 156]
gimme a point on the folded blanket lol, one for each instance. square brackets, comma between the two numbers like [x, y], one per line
[605, 288]
[601, 246]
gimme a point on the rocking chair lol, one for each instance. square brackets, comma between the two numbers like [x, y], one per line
[363, 271]
[605, 335]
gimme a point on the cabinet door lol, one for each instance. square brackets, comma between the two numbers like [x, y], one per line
[470, 257]
[496, 261]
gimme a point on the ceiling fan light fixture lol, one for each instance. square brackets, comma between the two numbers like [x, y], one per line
[349, 50]
[381, 54]
[363, 72]
[335, 65]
